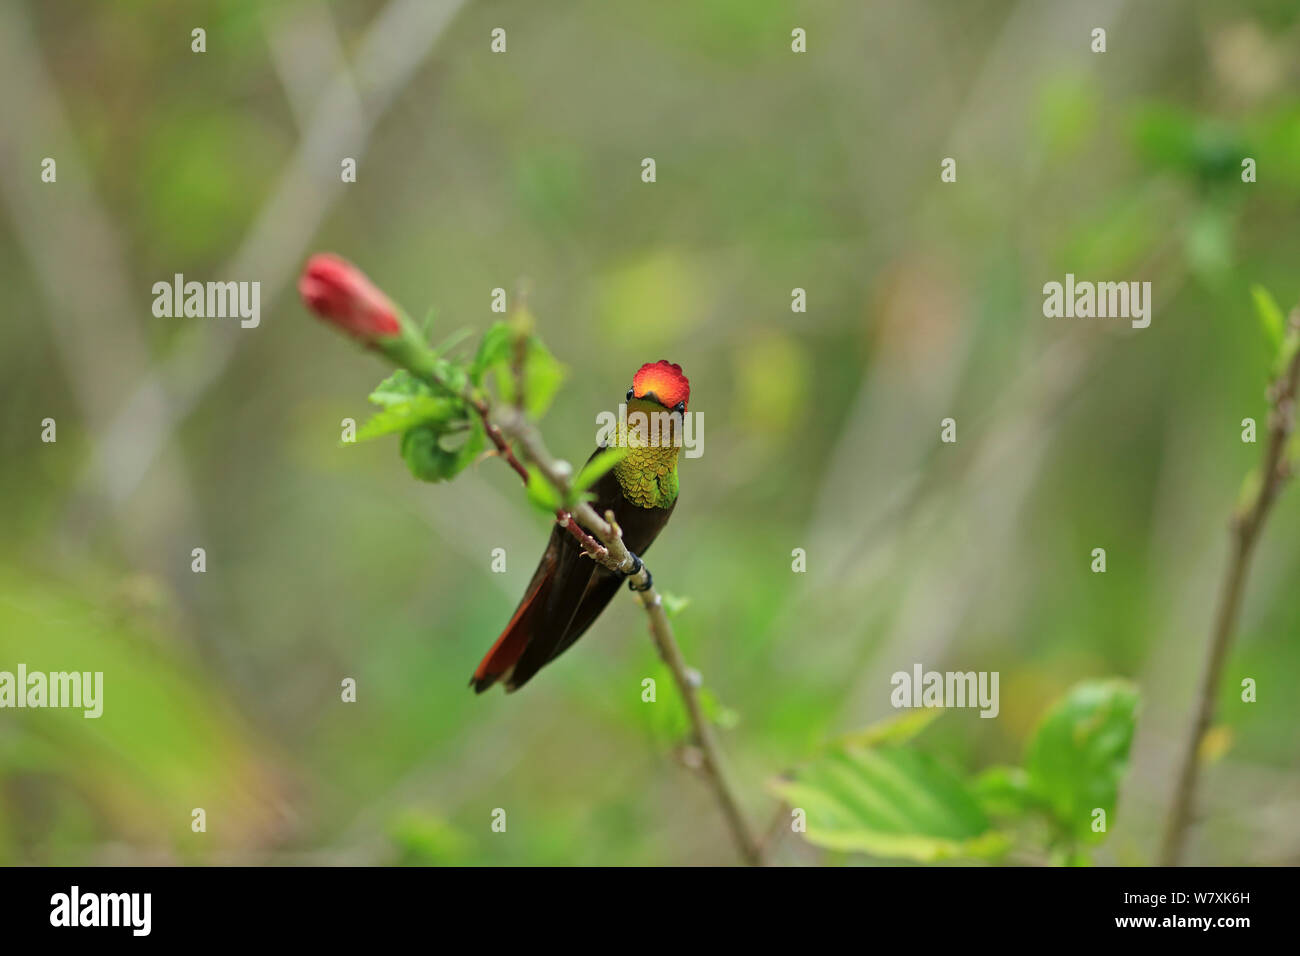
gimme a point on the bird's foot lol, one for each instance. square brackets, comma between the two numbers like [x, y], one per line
[637, 568]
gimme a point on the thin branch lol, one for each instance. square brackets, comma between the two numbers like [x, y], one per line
[562, 517]
[519, 353]
[498, 439]
[779, 826]
[1247, 523]
[609, 550]
[723, 789]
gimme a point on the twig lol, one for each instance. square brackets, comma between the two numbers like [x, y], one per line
[716, 771]
[1247, 522]
[498, 439]
[519, 353]
[777, 828]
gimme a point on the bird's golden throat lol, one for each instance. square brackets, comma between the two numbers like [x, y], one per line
[648, 475]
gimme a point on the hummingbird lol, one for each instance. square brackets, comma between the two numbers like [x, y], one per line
[568, 590]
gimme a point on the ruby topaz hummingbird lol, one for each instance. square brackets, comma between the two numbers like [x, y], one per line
[569, 590]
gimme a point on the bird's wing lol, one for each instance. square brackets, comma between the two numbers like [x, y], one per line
[566, 594]
[544, 612]
[640, 527]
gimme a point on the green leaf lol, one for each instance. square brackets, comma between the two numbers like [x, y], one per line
[409, 402]
[451, 341]
[493, 351]
[1179, 139]
[1070, 856]
[412, 413]
[454, 376]
[667, 718]
[451, 377]
[1004, 791]
[1248, 491]
[541, 492]
[542, 373]
[399, 387]
[596, 466]
[167, 730]
[894, 730]
[543, 376]
[1079, 752]
[436, 453]
[715, 711]
[1290, 345]
[421, 839]
[1271, 319]
[673, 604]
[891, 801]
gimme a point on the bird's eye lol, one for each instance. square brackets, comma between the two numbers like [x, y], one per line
[629, 394]
[681, 407]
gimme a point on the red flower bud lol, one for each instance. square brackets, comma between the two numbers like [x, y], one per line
[340, 293]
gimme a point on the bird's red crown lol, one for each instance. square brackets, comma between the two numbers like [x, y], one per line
[665, 380]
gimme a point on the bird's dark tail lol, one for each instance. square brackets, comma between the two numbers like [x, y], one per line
[509, 647]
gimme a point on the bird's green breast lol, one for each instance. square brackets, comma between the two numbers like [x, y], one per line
[648, 477]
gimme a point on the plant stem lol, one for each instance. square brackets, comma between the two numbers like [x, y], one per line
[1247, 522]
[562, 516]
[662, 632]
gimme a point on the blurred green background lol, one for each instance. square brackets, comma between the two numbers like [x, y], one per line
[775, 171]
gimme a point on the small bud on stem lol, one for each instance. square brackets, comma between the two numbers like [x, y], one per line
[340, 293]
